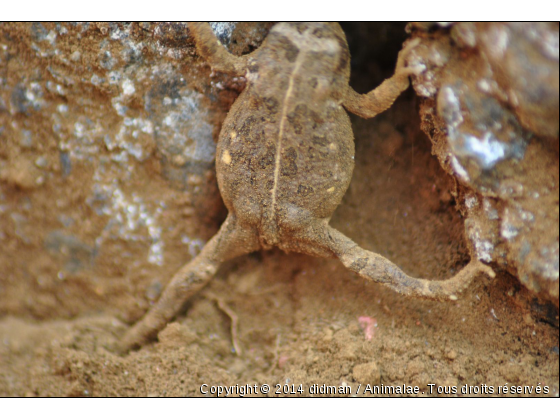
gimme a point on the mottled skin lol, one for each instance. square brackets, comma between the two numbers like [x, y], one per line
[284, 161]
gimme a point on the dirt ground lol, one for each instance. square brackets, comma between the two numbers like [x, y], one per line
[299, 317]
[299, 320]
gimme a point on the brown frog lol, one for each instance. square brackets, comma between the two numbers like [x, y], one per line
[284, 161]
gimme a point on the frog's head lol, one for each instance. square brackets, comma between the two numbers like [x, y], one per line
[313, 54]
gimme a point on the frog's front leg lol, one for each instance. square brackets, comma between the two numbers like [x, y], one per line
[382, 97]
[212, 50]
[232, 240]
[320, 239]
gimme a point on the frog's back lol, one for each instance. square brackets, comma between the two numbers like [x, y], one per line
[286, 148]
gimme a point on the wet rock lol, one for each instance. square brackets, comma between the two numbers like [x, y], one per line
[491, 110]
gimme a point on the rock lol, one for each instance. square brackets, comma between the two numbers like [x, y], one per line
[451, 355]
[497, 134]
[108, 129]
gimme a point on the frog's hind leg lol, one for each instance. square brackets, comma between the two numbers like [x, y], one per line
[321, 238]
[214, 52]
[231, 241]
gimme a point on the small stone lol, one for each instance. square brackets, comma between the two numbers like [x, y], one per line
[367, 373]
[451, 355]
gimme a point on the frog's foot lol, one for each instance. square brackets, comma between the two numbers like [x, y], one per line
[214, 52]
[404, 68]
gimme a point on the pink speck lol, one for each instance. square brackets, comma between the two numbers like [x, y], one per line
[282, 360]
[368, 325]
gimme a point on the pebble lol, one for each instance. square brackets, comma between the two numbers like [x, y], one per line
[451, 355]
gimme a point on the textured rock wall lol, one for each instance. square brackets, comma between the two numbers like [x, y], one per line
[106, 157]
[491, 110]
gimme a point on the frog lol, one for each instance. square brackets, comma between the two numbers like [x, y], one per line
[284, 160]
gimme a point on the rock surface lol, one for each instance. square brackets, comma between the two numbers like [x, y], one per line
[491, 111]
[106, 155]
